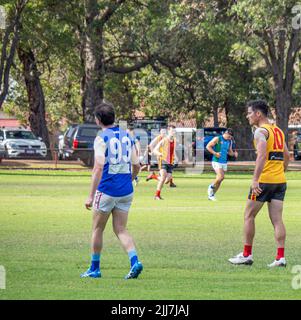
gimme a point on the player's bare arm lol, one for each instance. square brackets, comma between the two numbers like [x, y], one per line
[260, 137]
[210, 146]
[135, 164]
[99, 161]
[286, 157]
[156, 150]
[232, 153]
[96, 177]
[153, 144]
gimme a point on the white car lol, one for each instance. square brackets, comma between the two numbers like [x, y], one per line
[21, 143]
[2, 151]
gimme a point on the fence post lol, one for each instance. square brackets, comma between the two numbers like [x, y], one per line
[55, 158]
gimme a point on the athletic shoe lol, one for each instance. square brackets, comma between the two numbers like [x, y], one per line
[172, 185]
[241, 259]
[210, 191]
[212, 198]
[278, 263]
[92, 274]
[158, 198]
[135, 271]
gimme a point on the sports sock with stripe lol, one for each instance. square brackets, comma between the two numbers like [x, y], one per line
[95, 261]
[133, 257]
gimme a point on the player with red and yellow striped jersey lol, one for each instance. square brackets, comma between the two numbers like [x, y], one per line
[166, 151]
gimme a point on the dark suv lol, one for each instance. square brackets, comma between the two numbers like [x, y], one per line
[77, 143]
[297, 147]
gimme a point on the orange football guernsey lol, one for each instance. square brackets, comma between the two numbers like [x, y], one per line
[273, 171]
[168, 150]
[158, 139]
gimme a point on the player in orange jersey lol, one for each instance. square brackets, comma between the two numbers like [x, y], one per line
[268, 184]
[166, 151]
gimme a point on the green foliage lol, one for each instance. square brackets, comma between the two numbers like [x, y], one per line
[204, 55]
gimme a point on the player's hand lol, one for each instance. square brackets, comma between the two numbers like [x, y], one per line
[217, 155]
[88, 203]
[255, 188]
[235, 154]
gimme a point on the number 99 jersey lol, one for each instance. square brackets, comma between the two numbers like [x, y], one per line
[114, 148]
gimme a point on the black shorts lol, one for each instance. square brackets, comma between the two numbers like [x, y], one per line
[167, 167]
[270, 191]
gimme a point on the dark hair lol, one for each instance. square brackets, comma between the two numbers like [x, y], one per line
[229, 131]
[171, 126]
[259, 105]
[105, 113]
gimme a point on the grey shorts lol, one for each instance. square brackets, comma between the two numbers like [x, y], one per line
[105, 203]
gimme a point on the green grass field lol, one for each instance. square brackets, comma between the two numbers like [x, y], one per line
[184, 241]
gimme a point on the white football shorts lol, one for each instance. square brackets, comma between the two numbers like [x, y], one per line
[217, 165]
[104, 203]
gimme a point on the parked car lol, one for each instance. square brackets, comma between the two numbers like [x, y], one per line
[2, 151]
[62, 153]
[21, 143]
[297, 147]
[77, 143]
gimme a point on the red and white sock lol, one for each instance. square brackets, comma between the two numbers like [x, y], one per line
[158, 193]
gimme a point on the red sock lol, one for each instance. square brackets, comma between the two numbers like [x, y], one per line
[247, 250]
[158, 193]
[280, 253]
[154, 176]
[170, 181]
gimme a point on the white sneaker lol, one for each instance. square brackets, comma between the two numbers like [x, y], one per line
[241, 259]
[210, 191]
[278, 263]
[212, 198]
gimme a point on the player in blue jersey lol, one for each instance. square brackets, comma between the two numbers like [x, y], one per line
[116, 166]
[220, 147]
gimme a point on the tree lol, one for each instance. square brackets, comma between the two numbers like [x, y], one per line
[10, 42]
[117, 40]
[267, 28]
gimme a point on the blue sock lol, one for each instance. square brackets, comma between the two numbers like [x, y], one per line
[95, 261]
[133, 257]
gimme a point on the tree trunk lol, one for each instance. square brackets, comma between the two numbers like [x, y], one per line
[9, 45]
[242, 132]
[215, 117]
[83, 83]
[35, 94]
[94, 61]
[283, 110]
